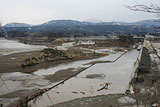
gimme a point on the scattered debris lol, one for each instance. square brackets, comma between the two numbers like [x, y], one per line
[74, 92]
[57, 92]
[49, 98]
[82, 92]
[105, 86]
[96, 76]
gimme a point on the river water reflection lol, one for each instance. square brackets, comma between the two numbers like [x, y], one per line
[117, 73]
[11, 46]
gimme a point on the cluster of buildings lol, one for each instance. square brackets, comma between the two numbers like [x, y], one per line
[83, 40]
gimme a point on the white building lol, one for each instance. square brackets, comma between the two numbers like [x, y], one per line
[86, 42]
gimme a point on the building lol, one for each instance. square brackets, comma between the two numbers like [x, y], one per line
[90, 42]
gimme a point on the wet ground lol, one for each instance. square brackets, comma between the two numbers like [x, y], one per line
[76, 64]
[146, 96]
[11, 46]
[19, 82]
[118, 74]
[87, 83]
[15, 85]
[11, 82]
[111, 100]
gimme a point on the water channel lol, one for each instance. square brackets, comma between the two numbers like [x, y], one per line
[117, 73]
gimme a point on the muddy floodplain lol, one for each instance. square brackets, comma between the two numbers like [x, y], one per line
[90, 81]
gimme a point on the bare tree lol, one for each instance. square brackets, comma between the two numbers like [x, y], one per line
[152, 8]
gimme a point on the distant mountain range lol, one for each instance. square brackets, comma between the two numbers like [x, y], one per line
[57, 28]
[93, 20]
[153, 23]
[14, 24]
[149, 23]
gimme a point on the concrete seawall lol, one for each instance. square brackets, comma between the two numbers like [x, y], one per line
[145, 78]
[136, 65]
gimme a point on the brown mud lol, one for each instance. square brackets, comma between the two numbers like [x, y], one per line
[95, 76]
[62, 74]
[13, 62]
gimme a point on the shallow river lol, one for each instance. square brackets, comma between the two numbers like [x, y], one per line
[117, 73]
[11, 46]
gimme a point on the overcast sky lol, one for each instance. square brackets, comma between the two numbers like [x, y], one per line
[40, 11]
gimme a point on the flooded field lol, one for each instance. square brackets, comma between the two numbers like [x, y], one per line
[118, 74]
[76, 64]
[17, 82]
[88, 83]
[11, 46]
[15, 85]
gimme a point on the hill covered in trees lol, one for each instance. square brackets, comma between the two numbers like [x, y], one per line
[77, 28]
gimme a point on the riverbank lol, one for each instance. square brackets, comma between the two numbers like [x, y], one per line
[13, 62]
[111, 100]
[62, 74]
[33, 81]
[145, 90]
[82, 86]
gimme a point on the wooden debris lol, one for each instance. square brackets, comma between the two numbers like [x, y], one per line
[105, 86]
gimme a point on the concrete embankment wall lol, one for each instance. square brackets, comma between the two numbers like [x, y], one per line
[141, 63]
